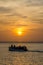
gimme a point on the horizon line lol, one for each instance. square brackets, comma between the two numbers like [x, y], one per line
[21, 41]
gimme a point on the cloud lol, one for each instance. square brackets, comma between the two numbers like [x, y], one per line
[21, 25]
[38, 21]
[29, 10]
[3, 22]
[5, 10]
[34, 2]
[17, 14]
[24, 2]
[38, 17]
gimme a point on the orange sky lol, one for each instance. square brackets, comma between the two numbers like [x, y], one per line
[21, 20]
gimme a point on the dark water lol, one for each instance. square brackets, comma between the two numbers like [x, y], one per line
[21, 58]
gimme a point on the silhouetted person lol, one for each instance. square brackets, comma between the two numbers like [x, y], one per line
[11, 46]
[14, 46]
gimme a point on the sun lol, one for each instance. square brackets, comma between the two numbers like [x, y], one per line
[19, 32]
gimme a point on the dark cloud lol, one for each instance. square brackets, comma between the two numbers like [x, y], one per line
[39, 21]
[19, 15]
[3, 22]
[37, 29]
[7, 0]
[21, 25]
[34, 2]
[38, 18]
[3, 0]
[11, 23]
[5, 10]
[24, 16]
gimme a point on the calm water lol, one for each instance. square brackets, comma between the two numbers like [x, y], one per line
[21, 58]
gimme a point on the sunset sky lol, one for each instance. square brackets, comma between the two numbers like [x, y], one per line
[21, 20]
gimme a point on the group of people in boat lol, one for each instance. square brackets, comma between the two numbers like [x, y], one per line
[17, 48]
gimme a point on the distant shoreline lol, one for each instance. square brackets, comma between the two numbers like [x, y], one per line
[21, 42]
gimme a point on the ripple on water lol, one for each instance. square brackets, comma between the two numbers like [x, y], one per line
[18, 58]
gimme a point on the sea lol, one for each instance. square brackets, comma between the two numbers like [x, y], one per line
[21, 58]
